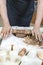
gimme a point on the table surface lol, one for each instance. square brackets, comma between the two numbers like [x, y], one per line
[18, 43]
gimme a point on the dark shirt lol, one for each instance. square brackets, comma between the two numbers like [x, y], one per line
[20, 12]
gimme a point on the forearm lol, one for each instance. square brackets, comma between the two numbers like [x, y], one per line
[4, 12]
[39, 14]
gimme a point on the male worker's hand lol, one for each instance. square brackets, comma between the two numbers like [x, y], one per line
[37, 33]
[6, 31]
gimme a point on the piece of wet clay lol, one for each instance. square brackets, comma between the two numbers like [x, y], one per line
[21, 33]
[40, 54]
[41, 43]
[22, 52]
[30, 40]
[27, 35]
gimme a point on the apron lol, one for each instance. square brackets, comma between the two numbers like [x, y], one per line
[20, 12]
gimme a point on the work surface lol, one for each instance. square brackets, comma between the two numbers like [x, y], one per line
[14, 51]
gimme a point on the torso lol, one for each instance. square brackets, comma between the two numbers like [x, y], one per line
[20, 5]
[19, 10]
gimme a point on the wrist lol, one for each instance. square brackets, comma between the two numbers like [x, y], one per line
[6, 24]
[36, 27]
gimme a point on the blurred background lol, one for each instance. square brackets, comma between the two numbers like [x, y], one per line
[33, 18]
[34, 14]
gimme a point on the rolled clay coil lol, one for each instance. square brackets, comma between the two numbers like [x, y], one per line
[22, 52]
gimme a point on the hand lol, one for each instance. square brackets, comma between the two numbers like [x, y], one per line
[6, 31]
[38, 35]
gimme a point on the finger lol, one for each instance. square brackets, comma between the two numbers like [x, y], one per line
[4, 35]
[36, 36]
[2, 30]
[7, 34]
[10, 31]
[32, 33]
[39, 37]
[1, 34]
